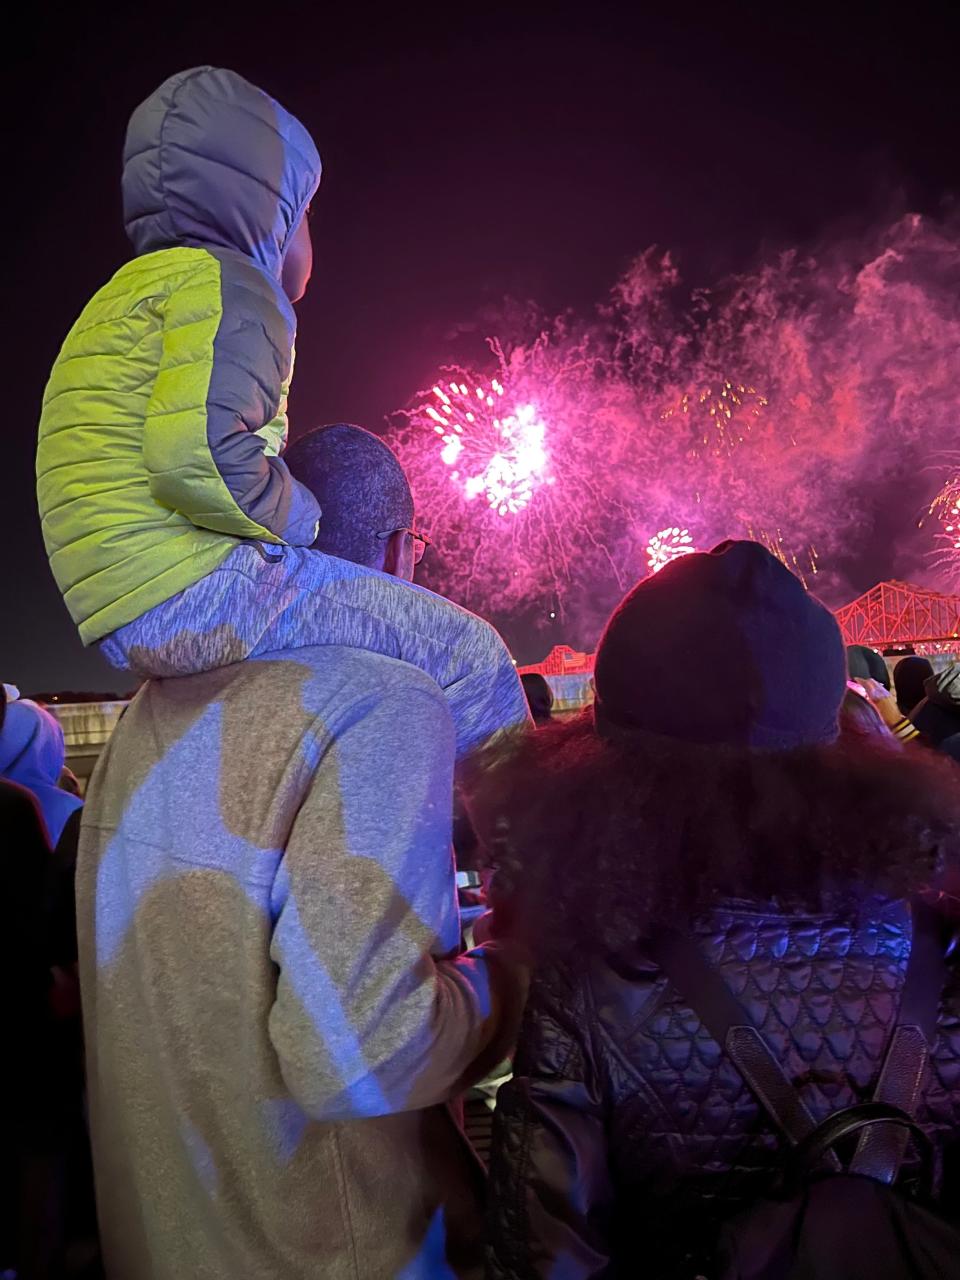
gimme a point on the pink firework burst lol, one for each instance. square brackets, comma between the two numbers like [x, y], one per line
[510, 472]
[668, 545]
[495, 450]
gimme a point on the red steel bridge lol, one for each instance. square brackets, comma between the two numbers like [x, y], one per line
[896, 615]
[891, 615]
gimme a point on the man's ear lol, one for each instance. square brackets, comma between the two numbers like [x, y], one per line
[392, 558]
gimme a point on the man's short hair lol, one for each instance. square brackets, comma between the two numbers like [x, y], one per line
[360, 485]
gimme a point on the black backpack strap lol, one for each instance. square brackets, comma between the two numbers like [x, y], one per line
[704, 990]
[881, 1148]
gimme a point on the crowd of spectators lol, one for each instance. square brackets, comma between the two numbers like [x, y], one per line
[707, 924]
[270, 959]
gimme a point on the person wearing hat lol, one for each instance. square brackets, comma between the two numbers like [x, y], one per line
[721, 803]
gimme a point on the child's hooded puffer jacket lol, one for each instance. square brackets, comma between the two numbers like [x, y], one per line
[167, 401]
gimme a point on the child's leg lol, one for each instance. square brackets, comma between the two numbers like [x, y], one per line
[265, 599]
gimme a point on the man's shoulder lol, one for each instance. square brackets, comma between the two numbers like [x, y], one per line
[288, 685]
[335, 673]
[309, 677]
[268, 709]
[341, 689]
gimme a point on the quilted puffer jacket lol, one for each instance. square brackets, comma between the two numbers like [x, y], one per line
[626, 1135]
[166, 404]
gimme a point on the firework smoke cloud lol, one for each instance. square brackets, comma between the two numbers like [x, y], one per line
[813, 403]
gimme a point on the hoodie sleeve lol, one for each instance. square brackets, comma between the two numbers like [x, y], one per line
[375, 1012]
[225, 358]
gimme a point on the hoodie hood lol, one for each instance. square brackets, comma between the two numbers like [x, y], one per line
[211, 160]
[32, 752]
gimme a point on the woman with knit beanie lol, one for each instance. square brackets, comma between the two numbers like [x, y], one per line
[718, 805]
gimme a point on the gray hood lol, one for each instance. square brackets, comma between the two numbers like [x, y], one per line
[210, 159]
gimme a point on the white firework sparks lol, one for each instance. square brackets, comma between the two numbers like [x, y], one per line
[494, 452]
[668, 545]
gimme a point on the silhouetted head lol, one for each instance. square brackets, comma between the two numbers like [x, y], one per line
[32, 753]
[776, 652]
[909, 677]
[364, 495]
[864, 663]
[539, 696]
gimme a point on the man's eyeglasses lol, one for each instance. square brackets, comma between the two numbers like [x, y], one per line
[420, 541]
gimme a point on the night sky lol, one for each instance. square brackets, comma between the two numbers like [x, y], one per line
[525, 151]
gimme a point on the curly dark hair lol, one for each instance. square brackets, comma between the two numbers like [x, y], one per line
[592, 840]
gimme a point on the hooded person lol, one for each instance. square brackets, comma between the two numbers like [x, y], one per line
[166, 405]
[32, 753]
[174, 529]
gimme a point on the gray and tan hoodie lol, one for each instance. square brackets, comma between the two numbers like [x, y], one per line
[274, 1005]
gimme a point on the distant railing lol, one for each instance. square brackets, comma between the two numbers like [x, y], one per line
[898, 615]
[87, 724]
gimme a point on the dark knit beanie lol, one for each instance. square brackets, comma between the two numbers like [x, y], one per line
[726, 647]
[865, 663]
